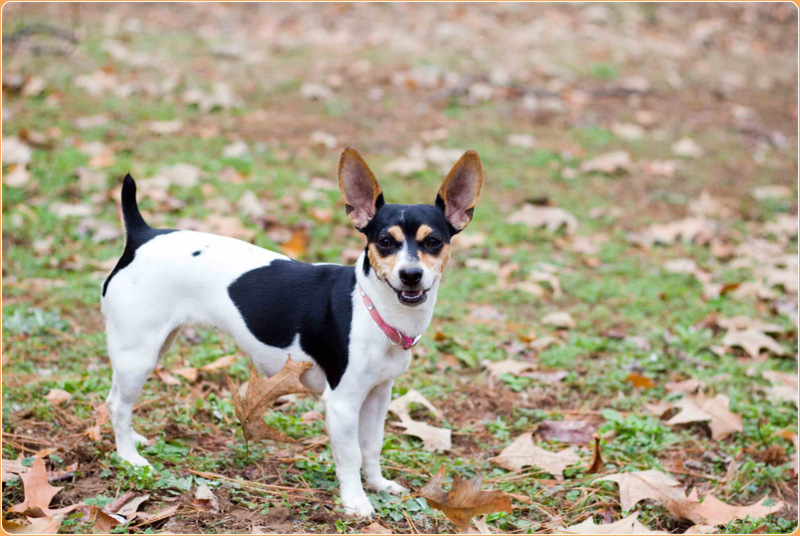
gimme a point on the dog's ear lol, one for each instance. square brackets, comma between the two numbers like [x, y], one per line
[361, 193]
[460, 190]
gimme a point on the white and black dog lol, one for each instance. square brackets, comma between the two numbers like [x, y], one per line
[355, 323]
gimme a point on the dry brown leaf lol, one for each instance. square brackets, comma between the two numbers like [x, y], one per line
[465, 499]
[629, 525]
[742, 322]
[205, 500]
[296, 246]
[689, 386]
[715, 410]
[158, 516]
[712, 511]
[131, 508]
[640, 485]
[573, 432]
[189, 373]
[640, 381]
[400, 406]
[166, 377]
[522, 452]
[608, 163]
[596, 465]
[104, 523]
[752, 341]
[433, 438]
[37, 525]
[559, 319]
[38, 493]
[784, 385]
[550, 217]
[57, 396]
[94, 432]
[375, 528]
[690, 230]
[222, 362]
[509, 366]
[261, 394]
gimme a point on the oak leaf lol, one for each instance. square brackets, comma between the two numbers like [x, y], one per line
[39, 493]
[465, 499]
[433, 438]
[550, 217]
[715, 410]
[752, 341]
[261, 394]
[400, 406]
[629, 525]
[522, 452]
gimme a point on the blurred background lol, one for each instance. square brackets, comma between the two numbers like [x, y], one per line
[641, 179]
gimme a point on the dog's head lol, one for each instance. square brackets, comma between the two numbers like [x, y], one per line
[408, 246]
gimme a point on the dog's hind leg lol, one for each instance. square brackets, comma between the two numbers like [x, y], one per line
[132, 363]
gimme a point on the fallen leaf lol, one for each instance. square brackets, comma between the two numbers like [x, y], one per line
[205, 500]
[699, 408]
[772, 191]
[37, 525]
[237, 149]
[552, 218]
[712, 511]
[629, 525]
[158, 516]
[465, 499]
[639, 485]
[752, 341]
[17, 176]
[296, 246]
[165, 127]
[375, 528]
[433, 438]
[166, 377]
[642, 382]
[742, 322]
[14, 151]
[520, 140]
[573, 432]
[261, 394]
[608, 163]
[784, 385]
[93, 432]
[687, 147]
[523, 452]
[104, 522]
[509, 366]
[250, 205]
[38, 493]
[698, 230]
[220, 363]
[57, 396]
[189, 373]
[559, 319]
[400, 406]
[596, 465]
[689, 386]
[131, 508]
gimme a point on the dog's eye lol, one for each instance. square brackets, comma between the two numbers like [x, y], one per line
[385, 242]
[432, 242]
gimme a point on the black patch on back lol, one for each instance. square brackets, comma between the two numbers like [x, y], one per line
[288, 297]
[136, 239]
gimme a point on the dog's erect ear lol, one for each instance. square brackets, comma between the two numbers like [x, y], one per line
[460, 190]
[360, 191]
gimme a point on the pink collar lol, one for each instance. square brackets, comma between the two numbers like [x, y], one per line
[394, 335]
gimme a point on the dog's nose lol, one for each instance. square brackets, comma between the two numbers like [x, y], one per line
[411, 276]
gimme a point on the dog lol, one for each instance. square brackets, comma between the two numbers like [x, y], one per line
[356, 324]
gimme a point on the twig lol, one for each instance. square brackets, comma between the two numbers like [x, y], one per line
[29, 439]
[411, 525]
[274, 489]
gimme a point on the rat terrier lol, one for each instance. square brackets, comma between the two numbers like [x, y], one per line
[356, 324]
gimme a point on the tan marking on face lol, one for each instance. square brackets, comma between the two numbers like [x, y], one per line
[383, 266]
[437, 263]
[423, 232]
[397, 233]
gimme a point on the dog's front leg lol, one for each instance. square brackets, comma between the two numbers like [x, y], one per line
[370, 437]
[342, 411]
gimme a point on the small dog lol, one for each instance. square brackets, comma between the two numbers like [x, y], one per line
[357, 324]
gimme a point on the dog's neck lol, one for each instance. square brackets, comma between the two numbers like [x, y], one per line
[411, 321]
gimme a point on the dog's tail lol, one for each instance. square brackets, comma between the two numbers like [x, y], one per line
[130, 210]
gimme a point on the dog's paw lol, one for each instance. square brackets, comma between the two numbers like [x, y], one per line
[136, 460]
[358, 506]
[139, 439]
[384, 484]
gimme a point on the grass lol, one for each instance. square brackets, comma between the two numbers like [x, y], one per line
[53, 334]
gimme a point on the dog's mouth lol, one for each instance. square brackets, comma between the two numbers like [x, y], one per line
[411, 297]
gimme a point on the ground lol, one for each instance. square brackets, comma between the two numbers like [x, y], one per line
[232, 118]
